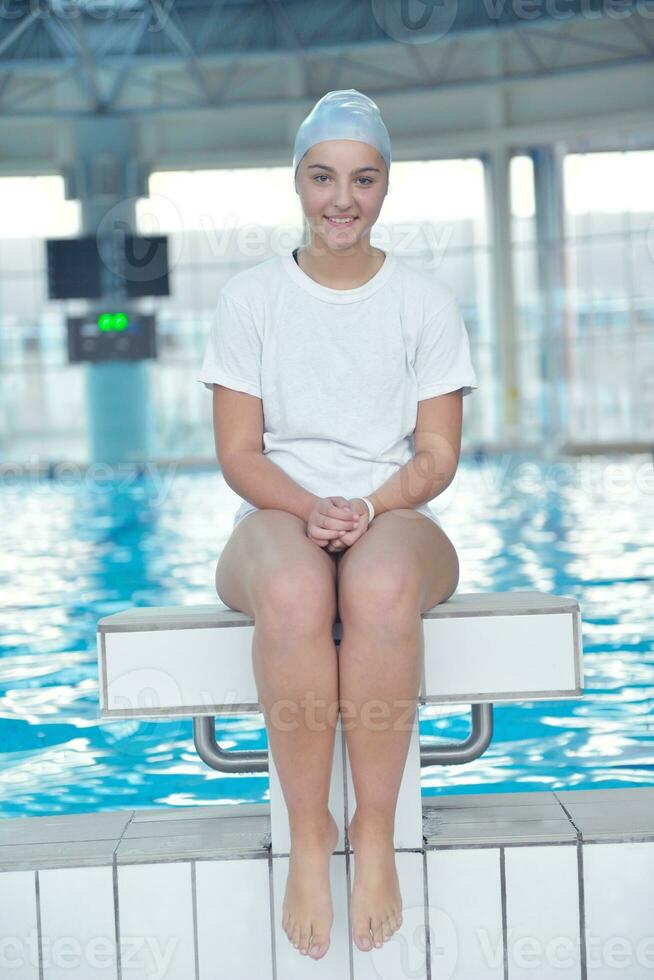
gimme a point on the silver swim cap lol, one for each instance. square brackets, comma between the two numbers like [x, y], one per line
[345, 114]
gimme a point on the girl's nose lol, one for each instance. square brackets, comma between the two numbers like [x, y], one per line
[343, 205]
[342, 198]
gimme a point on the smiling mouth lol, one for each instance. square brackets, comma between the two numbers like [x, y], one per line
[340, 221]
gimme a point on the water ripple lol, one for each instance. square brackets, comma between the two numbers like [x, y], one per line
[73, 554]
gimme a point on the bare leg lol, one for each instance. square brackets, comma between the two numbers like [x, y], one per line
[290, 591]
[406, 567]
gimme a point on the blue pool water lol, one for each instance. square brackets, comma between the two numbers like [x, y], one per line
[81, 548]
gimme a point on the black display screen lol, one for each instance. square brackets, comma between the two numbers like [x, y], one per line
[146, 265]
[73, 268]
[131, 265]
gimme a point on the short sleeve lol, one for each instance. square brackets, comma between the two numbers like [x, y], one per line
[233, 352]
[443, 360]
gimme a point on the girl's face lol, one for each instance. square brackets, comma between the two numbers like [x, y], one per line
[343, 178]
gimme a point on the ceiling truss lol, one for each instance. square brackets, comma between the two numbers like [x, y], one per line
[159, 56]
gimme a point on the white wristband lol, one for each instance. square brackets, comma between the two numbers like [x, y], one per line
[371, 509]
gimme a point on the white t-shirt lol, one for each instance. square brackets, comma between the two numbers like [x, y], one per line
[340, 371]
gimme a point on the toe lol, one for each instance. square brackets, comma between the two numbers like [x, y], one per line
[294, 933]
[377, 933]
[388, 929]
[318, 948]
[304, 939]
[361, 930]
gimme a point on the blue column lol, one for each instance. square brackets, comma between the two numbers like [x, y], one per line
[120, 413]
[119, 400]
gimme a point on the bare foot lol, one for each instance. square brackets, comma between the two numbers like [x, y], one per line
[307, 910]
[376, 905]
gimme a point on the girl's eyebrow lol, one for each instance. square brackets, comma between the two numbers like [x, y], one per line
[359, 170]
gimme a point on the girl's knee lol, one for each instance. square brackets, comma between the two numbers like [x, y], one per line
[297, 597]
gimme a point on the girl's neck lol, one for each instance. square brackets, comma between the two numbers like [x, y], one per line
[344, 271]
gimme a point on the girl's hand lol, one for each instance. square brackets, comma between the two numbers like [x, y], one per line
[330, 518]
[346, 538]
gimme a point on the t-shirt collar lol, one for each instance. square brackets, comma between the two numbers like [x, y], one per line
[329, 295]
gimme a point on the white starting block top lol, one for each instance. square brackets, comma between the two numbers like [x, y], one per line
[186, 661]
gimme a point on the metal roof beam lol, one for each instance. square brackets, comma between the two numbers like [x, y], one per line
[88, 64]
[45, 84]
[481, 83]
[67, 47]
[14, 35]
[183, 45]
[126, 64]
[251, 51]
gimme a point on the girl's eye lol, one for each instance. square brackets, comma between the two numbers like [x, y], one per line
[318, 176]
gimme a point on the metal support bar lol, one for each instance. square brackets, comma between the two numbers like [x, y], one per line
[225, 760]
[446, 754]
[455, 753]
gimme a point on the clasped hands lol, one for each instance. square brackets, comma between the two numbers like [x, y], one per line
[335, 523]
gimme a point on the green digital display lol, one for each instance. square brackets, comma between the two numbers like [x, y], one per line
[111, 335]
[112, 321]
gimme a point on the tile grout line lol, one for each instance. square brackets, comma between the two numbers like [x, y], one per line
[640, 838]
[582, 911]
[505, 947]
[425, 885]
[346, 842]
[39, 936]
[125, 828]
[500, 842]
[41, 843]
[194, 907]
[114, 875]
[271, 904]
[582, 893]
[348, 887]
